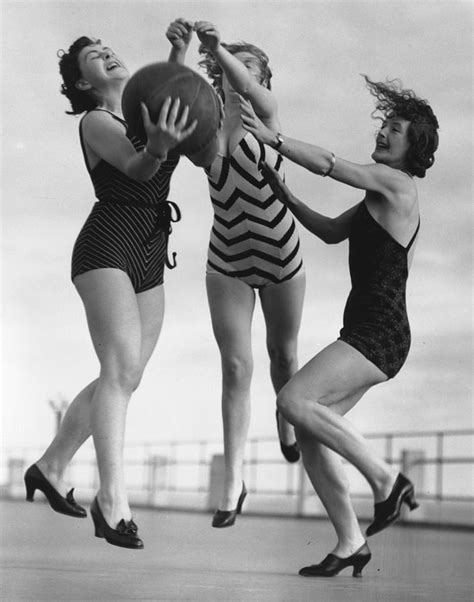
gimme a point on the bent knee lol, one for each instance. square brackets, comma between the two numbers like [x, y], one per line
[289, 405]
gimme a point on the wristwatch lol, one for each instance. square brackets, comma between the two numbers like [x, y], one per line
[279, 141]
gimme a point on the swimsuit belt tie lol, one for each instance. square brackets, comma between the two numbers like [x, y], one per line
[167, 212]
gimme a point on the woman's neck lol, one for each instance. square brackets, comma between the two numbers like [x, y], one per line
[111, 100]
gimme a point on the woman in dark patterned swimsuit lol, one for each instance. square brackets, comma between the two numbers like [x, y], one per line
[117, 268]
[375, 337]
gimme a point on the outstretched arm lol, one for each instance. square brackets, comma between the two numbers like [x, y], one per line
[238, 73]
[179, 34]
[375, 177]
[330, 230]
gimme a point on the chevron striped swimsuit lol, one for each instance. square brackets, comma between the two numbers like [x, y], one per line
[128, 227]
[254, 236]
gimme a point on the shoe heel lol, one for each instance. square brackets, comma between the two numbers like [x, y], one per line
[241, 500]
[30, 491]
[359, 565]
[410, 501]
[97, 527]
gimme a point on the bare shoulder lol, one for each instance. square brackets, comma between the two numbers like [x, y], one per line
[100, 122]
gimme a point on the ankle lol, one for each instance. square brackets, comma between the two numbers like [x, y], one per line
[348, 546]
[113, 507]
[384, 485]
[52, 471]
[232, 490]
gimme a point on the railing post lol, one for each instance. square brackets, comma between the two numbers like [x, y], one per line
[216, 479]
[439, 465]
[413, 467]
[16, 468]
[157, 475]
[300, 499]
[202, 465]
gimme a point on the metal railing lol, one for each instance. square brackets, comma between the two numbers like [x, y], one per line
[188, 474]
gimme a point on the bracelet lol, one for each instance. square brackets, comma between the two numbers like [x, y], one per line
[279, 141]
[331, 167]
[152, 156]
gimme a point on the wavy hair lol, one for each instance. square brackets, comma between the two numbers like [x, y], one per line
[71, 73]
[214, 70]
[392, 100]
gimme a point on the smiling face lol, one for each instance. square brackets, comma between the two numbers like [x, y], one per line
[392, 143]
[99, 66]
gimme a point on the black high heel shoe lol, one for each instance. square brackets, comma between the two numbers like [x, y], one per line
[332, 564]
[226, 518]
[124, 536]
[291, 453]
[35, 479]
[387, 512]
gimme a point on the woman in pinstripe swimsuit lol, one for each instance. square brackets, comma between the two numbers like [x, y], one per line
[117, 268]
[254, 246]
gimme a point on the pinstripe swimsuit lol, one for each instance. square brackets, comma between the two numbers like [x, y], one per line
[128, 227]
[375, 316]
[254, 235]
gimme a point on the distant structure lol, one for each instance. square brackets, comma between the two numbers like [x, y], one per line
[59, 407]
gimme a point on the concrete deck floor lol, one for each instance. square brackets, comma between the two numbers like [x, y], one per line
[46, 556]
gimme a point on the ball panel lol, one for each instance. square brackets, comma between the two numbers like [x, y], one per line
[153, 83]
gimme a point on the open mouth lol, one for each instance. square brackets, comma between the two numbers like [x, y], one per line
[113, 65]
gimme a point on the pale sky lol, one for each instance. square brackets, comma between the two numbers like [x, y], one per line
[317, 52]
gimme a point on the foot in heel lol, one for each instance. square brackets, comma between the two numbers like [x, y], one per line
[387, 512]
[290, 452]
[226, 518]
[332, 564]
[35, 479]
[124, 536]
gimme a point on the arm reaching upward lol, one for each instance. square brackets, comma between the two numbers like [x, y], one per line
[242, 75]
[179, 34]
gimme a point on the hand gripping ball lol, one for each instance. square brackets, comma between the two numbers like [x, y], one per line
[153, 83]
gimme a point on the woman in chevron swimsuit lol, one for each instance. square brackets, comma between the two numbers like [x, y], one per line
[375, 338]
[117, 269]
[254, 246]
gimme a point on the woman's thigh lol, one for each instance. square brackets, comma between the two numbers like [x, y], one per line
[338, 374]
[231, 303]
[282, 306]
[112, 314]
[151, 307]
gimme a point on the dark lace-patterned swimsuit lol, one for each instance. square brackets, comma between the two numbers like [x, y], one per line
[375, 316]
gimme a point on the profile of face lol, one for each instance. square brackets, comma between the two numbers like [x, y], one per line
[391, 145]
[253, 66]
[99, 65]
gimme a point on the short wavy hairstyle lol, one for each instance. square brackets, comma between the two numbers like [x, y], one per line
[392, 100]
[71, 73]
[214, 70]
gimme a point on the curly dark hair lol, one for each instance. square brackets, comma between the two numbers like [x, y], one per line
[70, 72]
[214, 70]
[395, 101]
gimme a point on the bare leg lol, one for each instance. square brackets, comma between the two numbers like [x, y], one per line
[327, 475]
[282, 306]
[75, 426]
[232, 302]
[337, 373]
[74, 430]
